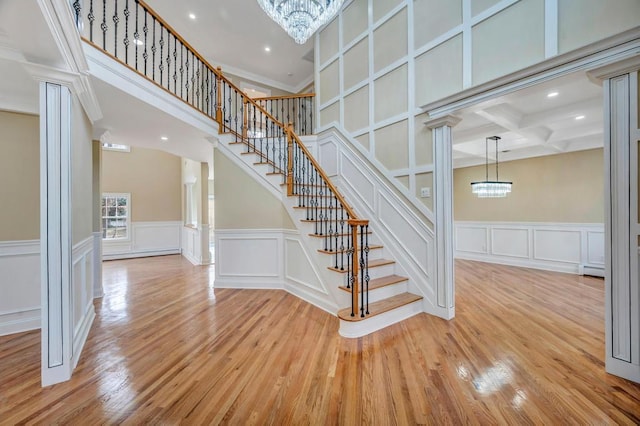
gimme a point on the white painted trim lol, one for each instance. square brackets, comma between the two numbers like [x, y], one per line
[550, 28]
[19, 248]
[136, 247]
[55, 231]
[532, 259]
[105, 68]
[19, 321]
[357, 329]
[618, 47]
[98, 291]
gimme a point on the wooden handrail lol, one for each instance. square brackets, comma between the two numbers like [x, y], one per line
[217, 71]
[294, 96]
[350, 212]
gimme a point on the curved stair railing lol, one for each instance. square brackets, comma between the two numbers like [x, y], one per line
[133, 34]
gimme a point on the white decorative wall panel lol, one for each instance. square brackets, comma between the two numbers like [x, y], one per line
[147, 239]
[557, 245]
[299, 267]
[562, 247]
[247, 257]
[357, 180]
[19, 286]
[472, 239]
[511, 242]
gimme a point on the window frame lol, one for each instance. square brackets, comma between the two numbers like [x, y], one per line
[126, 195]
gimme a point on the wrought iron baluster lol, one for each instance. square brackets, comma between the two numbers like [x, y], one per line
[161, 66]
[145, 30]
[361, 272]
[236, 117]
[181, 68]
[115, 19]
[339, 231]
[136, 35]
[175, 65]
[91, 18]
[126, 32]
[103, 26]
[153, 50]
[77, 8]
[366, 265]
[186, 84]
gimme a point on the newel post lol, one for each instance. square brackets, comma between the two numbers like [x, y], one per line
[289, 130]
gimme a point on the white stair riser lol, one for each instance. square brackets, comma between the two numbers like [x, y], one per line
[378, 322]
[383, 292]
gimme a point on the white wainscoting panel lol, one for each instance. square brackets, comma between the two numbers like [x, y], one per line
[83, 311]
[19, 286]
[557, 245]
[472, 239]
[512, 242]
[146, 239]
[562, 247]
[249, 258]
[269, 259]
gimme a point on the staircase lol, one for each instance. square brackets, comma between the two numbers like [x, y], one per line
[370, 287]
[384, 298]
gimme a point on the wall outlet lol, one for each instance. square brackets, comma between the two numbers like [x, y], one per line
[425, 192]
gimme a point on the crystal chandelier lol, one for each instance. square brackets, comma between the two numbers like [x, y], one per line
[491, 188]
[301, 18]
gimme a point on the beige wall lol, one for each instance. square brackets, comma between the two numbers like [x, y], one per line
[82, 177]
[152, 177]
[563, 188]
[20, 177]
[242, 203]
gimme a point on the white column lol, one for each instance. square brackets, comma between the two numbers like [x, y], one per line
[622, 284]
[55, 232]
[443, 206]
[97, 219]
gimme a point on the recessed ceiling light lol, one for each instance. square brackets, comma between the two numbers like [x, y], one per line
[164, 138]
[552, 94]
[138, 41]
[267, 49]
[580, 117]
[192, 16]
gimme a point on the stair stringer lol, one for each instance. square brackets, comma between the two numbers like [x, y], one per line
[406, 236]
[329, 297]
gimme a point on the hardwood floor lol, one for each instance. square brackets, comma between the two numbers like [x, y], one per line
[526, 347]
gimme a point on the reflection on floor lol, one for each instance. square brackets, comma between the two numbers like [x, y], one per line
[526, 347]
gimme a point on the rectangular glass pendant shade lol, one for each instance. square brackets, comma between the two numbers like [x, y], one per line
[491, 189]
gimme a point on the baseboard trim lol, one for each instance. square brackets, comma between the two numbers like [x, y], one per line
[521, 263]
[20, 321]
[141, 253]
[82, 333]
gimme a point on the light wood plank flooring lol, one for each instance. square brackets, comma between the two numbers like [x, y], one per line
[526, 347]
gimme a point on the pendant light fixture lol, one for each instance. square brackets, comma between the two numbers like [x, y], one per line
[491, 188]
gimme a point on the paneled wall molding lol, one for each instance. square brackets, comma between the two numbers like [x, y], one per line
[56, 232]
[397, 226]
[575, 248]
[83, 312]
[622, 294]
[154, 238]
[270, 259]
[19, 248]
[612, 49]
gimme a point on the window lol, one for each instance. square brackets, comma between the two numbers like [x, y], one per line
[115, 216]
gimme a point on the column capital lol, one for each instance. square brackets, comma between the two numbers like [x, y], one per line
[446, 120]
[614, 69]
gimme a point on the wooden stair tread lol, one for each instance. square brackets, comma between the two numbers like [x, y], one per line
[371, 247]
[372, 264]
[380, 307]
[379, 282]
